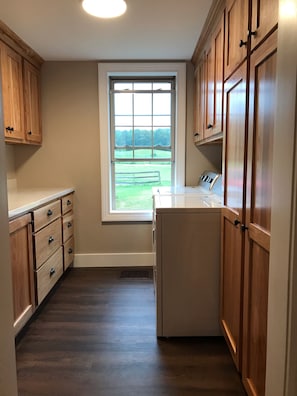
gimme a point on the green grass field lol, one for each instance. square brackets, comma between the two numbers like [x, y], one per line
[139, 196]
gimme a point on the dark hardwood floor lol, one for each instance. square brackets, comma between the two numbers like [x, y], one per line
[95, 336]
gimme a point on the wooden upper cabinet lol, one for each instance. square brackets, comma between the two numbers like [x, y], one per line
[214, 82]
[264, 18]
[20, 74]
[236, 36]
[12, 91]
[199, 101]
[209, 78]
[32, 103]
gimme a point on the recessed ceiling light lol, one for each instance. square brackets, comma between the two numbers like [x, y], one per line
[105, 8]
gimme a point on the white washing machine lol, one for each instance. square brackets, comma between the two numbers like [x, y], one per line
[186, 240]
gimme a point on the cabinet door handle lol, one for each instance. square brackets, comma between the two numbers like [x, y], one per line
[242, 43]
[236, 222]
[49, 212]
[70, 250]
[244, 227]
[29, 132]
[252, 33]
[69, 202]
[209, 126]
[52, 271]
[69, 224]
[50, 240]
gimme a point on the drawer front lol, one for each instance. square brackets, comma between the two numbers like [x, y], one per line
[67, 203]
[67, 226]
[48, 274]
[46, 214]
[68, 253]
[47, 241]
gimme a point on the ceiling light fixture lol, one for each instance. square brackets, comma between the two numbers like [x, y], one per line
[105, 8]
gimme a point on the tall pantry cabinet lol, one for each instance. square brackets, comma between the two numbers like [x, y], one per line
[248, 100]
[249, 96]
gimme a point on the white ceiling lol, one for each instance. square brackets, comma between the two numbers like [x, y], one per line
[150, 29]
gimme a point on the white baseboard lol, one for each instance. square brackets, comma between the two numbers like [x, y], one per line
[114, 260]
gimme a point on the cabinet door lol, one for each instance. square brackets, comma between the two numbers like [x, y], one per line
[264, 19]
[232, 214]
[236, 34]
[258, 211]
[12, 86]
[32, 103]
[22, 270]
[214, 82]
[199, 110]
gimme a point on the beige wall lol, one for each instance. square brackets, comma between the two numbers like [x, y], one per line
[69, 156]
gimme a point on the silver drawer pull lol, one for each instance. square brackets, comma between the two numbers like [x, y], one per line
[50, 239]
[52, 271]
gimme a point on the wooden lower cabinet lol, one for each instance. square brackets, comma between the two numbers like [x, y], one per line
[53, 242]
[67, 230]
[22, 270]
[48, 274]
[42, 248]
[68, 253]
[231, 284]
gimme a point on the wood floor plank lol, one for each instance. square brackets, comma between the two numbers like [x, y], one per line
[95, 336]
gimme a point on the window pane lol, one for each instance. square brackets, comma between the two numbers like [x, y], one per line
[123, 120]
[123, 137]
[142, 103]
[122, 85]
[162, 121]
[142, 121]
[162, 137]
[162, 153]
[123, 153]
[143, 137]
[162, 85]
[143, 153]
[134, 182]
[162, 104]
[143, 86]
[123, 103]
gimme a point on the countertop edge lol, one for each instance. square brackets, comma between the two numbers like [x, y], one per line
[44, 197]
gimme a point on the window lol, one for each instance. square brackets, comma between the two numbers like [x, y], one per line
[142, 131]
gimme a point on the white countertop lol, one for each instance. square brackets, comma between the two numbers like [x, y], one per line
[163, 202]
[21, 201]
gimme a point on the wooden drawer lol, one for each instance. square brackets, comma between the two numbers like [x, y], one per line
[47, 241]
[46, 214]
[67, 203]
[68, 253]
[67, 225]
[48, 274]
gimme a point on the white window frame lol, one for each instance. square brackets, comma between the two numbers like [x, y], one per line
[107, 70]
